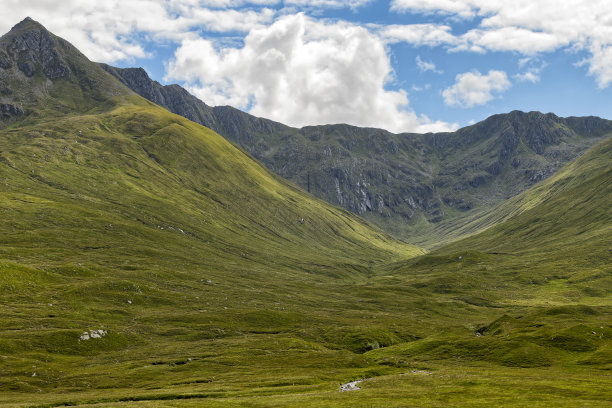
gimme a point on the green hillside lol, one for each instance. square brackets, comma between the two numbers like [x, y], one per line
[545, 266]
[145, 261]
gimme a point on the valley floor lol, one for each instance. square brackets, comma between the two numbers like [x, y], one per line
[448, 384]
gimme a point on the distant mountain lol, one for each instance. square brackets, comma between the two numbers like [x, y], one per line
[412, 185]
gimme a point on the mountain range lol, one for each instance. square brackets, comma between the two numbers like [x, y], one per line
[145, 260]
[414, 186]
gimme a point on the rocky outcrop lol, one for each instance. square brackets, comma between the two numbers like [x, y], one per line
[173, 97]
[33, 61]
[8, 111]
[37, 48]
[5, 61]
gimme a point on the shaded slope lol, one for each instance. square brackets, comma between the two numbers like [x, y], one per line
[555, 236]
[569, 210]
[419, 187]
[573, 188]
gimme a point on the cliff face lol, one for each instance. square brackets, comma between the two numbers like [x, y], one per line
[405, 183]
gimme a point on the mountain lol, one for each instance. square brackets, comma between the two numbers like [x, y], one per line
[146, 261]
[411, 185]
[41, 75]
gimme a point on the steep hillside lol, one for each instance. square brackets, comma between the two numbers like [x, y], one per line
[552, 197]
[413, 186]
[568, 211]
[156, 236]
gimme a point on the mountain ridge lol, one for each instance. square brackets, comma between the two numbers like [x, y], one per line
[412, 185]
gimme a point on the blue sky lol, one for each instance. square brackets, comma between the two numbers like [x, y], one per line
[403, 65]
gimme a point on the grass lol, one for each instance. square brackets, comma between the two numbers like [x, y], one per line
[247, 305]
[217, 283]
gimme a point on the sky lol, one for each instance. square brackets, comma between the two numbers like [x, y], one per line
[401, 65]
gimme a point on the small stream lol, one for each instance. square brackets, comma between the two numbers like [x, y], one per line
[352, 386]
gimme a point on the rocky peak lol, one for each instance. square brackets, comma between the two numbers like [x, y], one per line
[31, 47]
[36, 66]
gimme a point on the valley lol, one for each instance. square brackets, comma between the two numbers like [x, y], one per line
[204, 279]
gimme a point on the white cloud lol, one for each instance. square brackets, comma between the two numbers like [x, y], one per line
[532, 72]
[425, 66]
[529, 27]
[227, 3]
[510, 39]
[353, 4]
[301, 71]
[112, 30]
[474, 88]
[600, 64]
[462, 8]
[528, 76]
[418, 34]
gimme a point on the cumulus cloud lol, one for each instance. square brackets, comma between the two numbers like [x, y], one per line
[329, 3]
[600, 64]
[113, 30]
[227, 3]
[528, 27]
[463, 8]
[473, 88]
[532, 70]
[301, 71]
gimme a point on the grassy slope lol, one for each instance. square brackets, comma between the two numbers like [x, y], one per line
[577, 173]
[142, 223]
[421, 188]
[547, 271]
[223, 320]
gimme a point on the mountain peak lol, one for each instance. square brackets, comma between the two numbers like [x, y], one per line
[27, 23]
[37, 67]
[31, 47]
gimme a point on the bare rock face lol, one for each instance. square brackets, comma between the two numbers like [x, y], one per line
[33, 62]
[7, 110]
[36, 48]
[5, 61]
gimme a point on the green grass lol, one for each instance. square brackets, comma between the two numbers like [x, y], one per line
[219, 284]
[250, 306]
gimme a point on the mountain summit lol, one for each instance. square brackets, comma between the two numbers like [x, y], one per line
[41, 73]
